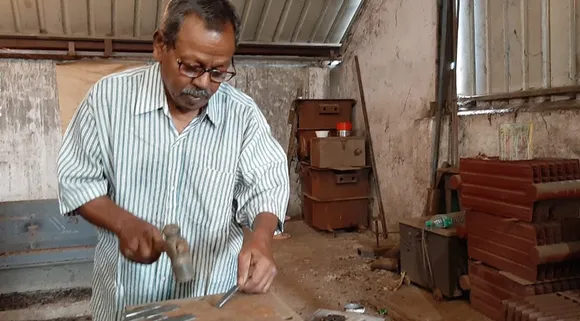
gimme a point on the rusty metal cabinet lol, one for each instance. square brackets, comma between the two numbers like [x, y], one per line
[320, 114]
[447, 257]
[331, 183]
[335, 198]
[335, 214]
[334, 175]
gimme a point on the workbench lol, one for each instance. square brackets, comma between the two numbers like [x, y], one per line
[241, 307]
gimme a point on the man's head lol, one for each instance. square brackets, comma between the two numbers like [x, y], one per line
[196, 36]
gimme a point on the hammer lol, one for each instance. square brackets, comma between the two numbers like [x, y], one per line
[177, 249]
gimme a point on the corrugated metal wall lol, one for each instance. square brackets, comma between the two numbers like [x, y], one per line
[512, 45]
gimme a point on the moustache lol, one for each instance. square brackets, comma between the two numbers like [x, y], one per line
[196, 92]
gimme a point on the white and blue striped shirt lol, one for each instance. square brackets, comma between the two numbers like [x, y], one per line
[218, 174]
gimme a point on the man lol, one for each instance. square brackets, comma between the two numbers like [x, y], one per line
[172, 143]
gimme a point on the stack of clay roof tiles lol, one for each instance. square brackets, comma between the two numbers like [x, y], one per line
[523, 226]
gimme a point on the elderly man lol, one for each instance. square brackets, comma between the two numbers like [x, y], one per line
[173, 143]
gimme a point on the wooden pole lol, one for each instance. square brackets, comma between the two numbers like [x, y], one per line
[371, 150]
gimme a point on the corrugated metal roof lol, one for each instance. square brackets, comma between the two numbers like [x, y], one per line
[264, 21]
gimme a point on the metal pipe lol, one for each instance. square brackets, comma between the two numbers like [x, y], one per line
[555, 253]
[319, 22]
[137, 19]
[282, 22]
[262, 22]
[245, 15]
[300, 23]
[335, 22]
[443, 68]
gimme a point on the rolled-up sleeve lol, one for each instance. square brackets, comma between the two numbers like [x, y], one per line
[80, 168]
[263, 184]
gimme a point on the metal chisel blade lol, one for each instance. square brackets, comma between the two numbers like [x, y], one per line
[227, 296]
[188, 317]
[149, 311]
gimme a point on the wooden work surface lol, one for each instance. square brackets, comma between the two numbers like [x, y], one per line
[241, 307]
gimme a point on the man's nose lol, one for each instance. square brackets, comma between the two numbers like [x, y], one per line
[203, 81]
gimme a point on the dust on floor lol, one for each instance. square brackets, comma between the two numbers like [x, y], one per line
[319, 270]
[15, 301]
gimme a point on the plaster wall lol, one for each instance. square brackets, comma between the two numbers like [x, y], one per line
[396, 45]
[30, 124]
[530, 45]
[554, 133]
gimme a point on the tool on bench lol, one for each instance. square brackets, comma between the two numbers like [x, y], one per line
[227, 296]
[156, 313]
[177, 249]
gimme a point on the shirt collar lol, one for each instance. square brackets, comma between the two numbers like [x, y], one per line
[151, 93]
[151, 96]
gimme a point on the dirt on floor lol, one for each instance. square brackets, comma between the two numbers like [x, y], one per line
[320, 270]
[29, 300]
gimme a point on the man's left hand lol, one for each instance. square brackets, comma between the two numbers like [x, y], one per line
[256, 267]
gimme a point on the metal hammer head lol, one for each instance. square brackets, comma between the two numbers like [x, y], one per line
[177, 249]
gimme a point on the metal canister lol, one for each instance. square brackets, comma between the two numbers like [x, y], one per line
[343, 129]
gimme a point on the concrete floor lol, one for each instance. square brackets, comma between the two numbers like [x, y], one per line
[317, 270]
[322, 270]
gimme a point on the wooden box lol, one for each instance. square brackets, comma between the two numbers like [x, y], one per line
[304, 138]
[338, 152]
[335, 214]
[321, 114]
[330, 184]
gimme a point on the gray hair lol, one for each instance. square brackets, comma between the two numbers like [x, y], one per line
[215, 13]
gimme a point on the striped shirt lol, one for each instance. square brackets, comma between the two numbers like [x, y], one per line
[217, 175]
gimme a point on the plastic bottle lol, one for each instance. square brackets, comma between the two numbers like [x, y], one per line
[439, 221]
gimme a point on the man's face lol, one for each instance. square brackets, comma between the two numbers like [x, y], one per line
[196, 47]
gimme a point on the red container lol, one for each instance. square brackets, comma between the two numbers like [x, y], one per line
[343, 129]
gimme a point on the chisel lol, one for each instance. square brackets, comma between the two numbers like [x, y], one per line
[227, 296]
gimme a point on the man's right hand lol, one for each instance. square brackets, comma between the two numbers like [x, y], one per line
[140, 241]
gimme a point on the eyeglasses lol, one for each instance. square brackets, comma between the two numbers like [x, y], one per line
[196, 71]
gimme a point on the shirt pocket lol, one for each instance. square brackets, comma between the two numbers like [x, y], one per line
[210, 204]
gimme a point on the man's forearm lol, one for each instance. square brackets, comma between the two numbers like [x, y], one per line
[104, 213]
[265, 225]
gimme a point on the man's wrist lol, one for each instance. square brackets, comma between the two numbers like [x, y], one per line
[104, 213]
[265, 225]
[122, 217]
[263, 234]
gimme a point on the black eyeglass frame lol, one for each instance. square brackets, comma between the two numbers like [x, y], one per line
[228, 74]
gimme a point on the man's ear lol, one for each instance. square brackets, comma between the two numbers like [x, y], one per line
[158, 45]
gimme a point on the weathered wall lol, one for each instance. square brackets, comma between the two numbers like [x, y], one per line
[274, 87]
[30, 130]
[396, 44]
[554, 133]
[530, 45]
